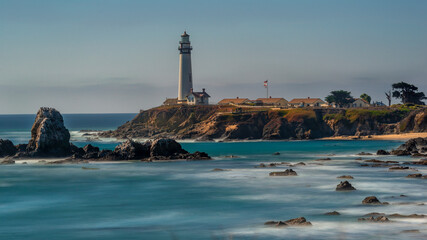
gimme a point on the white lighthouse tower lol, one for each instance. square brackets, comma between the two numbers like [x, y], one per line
[185, 85]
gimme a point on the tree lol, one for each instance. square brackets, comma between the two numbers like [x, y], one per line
[340, 97]
[388, 96]
[408, 93]
[366, 97]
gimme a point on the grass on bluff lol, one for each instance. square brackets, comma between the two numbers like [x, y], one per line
[380, 115]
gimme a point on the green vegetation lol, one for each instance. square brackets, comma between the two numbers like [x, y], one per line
[340, 97]
[380, 115]
[366, 97]
[408, 93]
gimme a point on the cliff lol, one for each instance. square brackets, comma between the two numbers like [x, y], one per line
[226, 122]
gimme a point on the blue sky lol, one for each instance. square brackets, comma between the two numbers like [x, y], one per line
[121, 56]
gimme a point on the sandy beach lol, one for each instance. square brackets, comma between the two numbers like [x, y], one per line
[402, 136]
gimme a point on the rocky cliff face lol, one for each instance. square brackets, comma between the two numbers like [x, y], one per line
[218, 122]
[416, 121]
[49, 137]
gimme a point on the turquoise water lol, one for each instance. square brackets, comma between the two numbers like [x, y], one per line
[186, 200]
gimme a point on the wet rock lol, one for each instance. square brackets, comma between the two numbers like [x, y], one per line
[371, 200]
[231, 156]
[7, 148]
[414, 146]
[287, 172]
[49, 137]
[398, 168]
[21, 147]
[131, 150]
[165, 147]
[220, 170]
[416, 175]
[421, 162]
[411, 231]
[333, 213]
[323, 159]
[346, 177]
[380, 219]
[382, 152]
[364, 154]
[276, 223]
[344, 186]
[276, 153]
[301, 221]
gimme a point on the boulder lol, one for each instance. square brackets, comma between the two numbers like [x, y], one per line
[344, 186]
[49, 137]
[382, 152]
[301, 221]
[21, 147]
[415, 175]
[7, 148]
[287, 172]
[334, 213]
[373, 219]
[414, 146]
[371, 200]
[165, 147]
[131, 150]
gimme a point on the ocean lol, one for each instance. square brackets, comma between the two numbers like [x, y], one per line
[187, 200]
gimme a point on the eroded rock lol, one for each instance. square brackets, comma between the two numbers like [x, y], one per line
[287, 172]
[344, 186]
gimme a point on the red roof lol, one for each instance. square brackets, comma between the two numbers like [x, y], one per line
[306, 100]
[233, 100]
[270, 100]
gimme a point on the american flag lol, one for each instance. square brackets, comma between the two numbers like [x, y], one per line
[266, 83]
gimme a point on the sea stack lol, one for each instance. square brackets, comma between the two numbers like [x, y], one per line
[49, 137]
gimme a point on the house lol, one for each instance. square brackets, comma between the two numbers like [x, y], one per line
[276, 102]
[198, 98]
[358, 102]
[307, 102]
[237, 101]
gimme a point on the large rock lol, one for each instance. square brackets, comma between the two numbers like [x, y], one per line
[287, 172]
[49, 137]
[166, 147]
[301, 221]
[414, 146]
[371, 200]
[344, 186]
[131, 150]
[7, 148]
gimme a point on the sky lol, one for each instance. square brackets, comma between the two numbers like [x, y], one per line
[103, 56]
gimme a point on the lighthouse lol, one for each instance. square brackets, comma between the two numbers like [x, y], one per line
[186, 95]
[185, 84]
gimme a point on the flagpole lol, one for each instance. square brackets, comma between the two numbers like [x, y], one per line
[267, 88]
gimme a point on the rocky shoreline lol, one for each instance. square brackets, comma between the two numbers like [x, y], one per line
[227, 123]
[50, 139]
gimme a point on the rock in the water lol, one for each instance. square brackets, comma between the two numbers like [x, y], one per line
[276, 153]
[131, 150]
[373, 219]
[166, 147]
[346, 177]
[414, 146]
[220, 170]
[7, 148]
[371, 200]
[397, 215]
[364, 153]
[382, 152]
[287, 172]
[416, 175]
[334, 213]
[301, 221]
[344, 186]
[398, 168]
[411, 231]
[49, 137]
